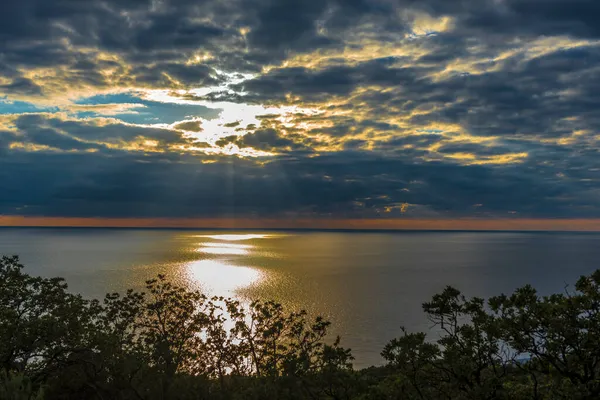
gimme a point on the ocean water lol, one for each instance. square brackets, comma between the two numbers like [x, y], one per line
[368, 284]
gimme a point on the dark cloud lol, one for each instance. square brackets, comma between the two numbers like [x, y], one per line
[170, 30]
[407, 107]
[21, 86]
[423, 140]
[172, 75]
[347, 183]
[473, 148]
[191, 126]
[314, 85]
[105, 136]
[268, 139]
[150, 43]
[519, 17]
[285, 23]
[544, 17]
[179, 185]
[276, 27]
[551, 95]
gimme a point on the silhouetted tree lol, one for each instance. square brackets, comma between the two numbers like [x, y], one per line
[168, 342]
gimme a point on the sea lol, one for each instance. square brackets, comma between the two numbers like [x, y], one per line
[368, 284]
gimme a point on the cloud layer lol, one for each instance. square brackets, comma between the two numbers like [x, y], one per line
[289, 108]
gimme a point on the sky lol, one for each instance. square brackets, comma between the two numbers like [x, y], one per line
[396, 112]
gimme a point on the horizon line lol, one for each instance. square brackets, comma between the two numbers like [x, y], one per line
[439, 224]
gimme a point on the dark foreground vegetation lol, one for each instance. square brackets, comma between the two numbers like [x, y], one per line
[171, 343]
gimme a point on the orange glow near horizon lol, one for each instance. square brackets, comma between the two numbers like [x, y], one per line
[588, 225]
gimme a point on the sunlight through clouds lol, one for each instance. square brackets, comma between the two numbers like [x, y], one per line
[233, 117]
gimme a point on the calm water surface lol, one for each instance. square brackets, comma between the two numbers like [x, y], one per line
[367, 284]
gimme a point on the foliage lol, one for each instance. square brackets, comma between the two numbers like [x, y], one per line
[168, 342]
[15, 386]
[521, 346]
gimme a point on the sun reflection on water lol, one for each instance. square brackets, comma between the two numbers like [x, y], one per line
[219, 278]
[227, 237]
[225, 248]
[228, 245]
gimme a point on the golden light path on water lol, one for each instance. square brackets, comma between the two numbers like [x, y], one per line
[223, 250]
[220, 274]
[219, 278]
[238, 237]
[228, 245]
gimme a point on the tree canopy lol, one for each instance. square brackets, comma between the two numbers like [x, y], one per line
[169, 342]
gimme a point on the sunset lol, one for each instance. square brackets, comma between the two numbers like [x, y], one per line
[299, 199]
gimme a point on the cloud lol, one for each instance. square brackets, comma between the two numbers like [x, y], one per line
[355, 108]
[55, 132]
[138, 110]
[190, 126]
[346, 184]
[268, 140]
